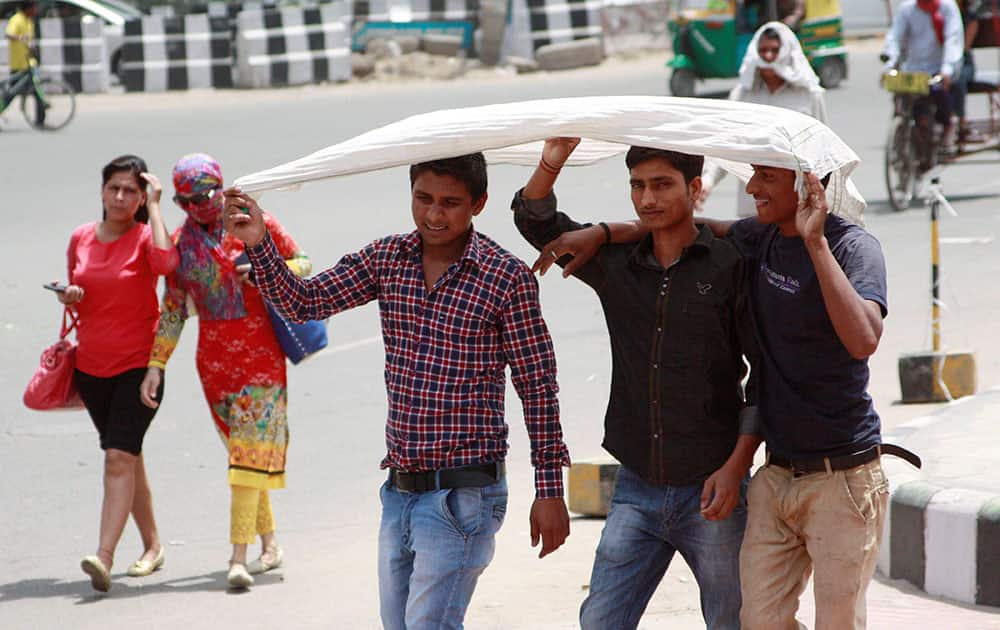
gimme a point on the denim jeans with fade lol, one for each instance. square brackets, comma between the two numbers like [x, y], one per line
[432, 548]
[646, 525]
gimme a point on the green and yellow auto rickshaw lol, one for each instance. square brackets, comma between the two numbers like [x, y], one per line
[710, 38]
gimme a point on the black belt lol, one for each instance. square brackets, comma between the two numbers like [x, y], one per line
[842, 462]
[473, 476]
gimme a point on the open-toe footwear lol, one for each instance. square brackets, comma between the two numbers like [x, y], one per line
[238, 576]
[262, 564]
[100, 578]
[142, 568]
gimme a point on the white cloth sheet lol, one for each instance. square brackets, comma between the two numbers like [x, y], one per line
[736, 134]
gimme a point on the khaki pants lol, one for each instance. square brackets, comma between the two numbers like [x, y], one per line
[829, 523]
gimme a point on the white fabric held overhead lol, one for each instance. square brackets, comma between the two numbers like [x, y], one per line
[736, 134]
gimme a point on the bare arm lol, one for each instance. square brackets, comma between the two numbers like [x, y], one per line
[857, 321]
[721, 491]
[971, 30]
[161, 238]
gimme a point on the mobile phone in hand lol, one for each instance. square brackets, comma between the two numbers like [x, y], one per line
[55, 286]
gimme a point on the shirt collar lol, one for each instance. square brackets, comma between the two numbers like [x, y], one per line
[473, 249]
[642, 253]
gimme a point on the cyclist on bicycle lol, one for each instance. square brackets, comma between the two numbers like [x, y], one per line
[20, 36]
[927, 36]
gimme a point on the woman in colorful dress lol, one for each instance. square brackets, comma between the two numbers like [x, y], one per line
[114, 265]
[241, 365]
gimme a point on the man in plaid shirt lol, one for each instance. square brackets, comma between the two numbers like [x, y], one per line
[456, 310]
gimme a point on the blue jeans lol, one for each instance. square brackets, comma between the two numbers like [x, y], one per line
[432, 548]
[645, 526]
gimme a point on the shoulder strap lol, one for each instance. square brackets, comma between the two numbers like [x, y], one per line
[70, 320]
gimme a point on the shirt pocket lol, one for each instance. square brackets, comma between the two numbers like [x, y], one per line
[705, 324]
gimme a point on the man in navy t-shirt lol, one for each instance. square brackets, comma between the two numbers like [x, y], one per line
[818, 297]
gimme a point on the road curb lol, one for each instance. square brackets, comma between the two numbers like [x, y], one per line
[943, 540]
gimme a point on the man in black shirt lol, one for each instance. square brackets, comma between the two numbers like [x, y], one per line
[818, 292]
[676, 310]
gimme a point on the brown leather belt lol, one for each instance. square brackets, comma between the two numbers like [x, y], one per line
[842, 462]
[473, 476]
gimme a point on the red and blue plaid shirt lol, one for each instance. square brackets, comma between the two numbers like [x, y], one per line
[446, 349]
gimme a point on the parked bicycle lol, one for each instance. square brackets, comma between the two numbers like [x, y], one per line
[46, 102]
[913, 148]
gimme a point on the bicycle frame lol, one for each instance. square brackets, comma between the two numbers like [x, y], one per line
[17, 85]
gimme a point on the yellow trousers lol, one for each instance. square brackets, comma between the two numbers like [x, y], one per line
[250, 515]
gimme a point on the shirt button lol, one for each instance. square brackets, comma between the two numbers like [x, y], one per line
[656, 436]
[656, 366]
[658, 329]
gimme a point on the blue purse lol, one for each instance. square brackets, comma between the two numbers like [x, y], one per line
[297, 341]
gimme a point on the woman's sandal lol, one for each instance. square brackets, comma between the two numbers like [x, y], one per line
[263, 564]
[100, 578]
[142, 568]
[238, 576]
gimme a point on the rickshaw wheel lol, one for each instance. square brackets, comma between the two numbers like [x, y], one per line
[900, 164]
[831, 72]
[682, 82]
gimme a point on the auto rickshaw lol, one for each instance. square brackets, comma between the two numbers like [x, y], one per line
[710, 38]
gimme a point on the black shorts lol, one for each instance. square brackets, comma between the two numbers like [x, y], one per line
[116, 409]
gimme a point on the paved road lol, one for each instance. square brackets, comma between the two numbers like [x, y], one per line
[327, 517]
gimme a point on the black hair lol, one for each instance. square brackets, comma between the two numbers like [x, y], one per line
[134, 165]
[770, 33]
[27, 4]
[469, 169]
[689, 165]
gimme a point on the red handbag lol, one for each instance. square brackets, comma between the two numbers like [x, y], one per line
[51, 388]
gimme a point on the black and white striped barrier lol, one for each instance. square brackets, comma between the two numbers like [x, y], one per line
[942, 528]
[177, 53]
[293, 46]
[73, 49]
[945, 541]
[537, 23]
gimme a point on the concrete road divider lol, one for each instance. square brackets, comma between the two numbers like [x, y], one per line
[945, 541]
[444, 45]
[176, 53]
[293, 46]
[537, 23]
[591, 485]
[575, 54]
[73, 49]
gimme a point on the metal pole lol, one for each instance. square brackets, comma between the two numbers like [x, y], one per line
[935, 263]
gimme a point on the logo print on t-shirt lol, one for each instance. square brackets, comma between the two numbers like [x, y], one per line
[780, 281]
[703, 289]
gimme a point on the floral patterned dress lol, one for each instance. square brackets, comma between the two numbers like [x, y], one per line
[241, 365]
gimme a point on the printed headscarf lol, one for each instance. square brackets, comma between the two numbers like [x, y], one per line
[205, 273]
[200, 173]
[791, 63]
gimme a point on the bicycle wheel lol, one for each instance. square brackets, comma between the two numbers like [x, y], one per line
[60, 104]
[900, 164]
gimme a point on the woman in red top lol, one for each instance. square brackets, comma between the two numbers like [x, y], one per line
[114, 266]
